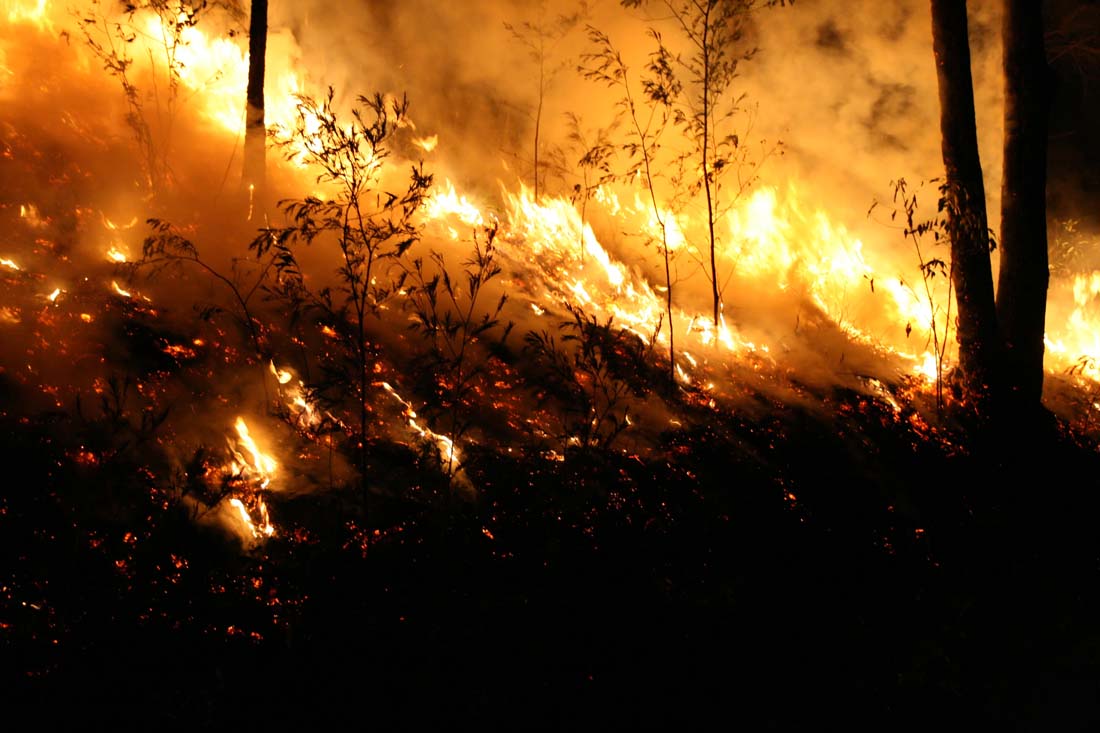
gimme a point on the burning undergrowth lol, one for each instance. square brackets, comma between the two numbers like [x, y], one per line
[267, 350]
[362, 365]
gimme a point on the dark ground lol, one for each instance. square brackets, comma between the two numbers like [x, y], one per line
[782, 574]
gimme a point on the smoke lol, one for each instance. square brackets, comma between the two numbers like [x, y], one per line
[849, 88]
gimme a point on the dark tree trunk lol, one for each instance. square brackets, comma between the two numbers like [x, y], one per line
[967, 228]
[1024, 271]
[255, 136]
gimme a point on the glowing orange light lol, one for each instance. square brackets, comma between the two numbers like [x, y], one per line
[427, 144]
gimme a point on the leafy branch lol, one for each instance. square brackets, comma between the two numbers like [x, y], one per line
[446, 315]
[605, 65]
[591, 367]
[368, 226]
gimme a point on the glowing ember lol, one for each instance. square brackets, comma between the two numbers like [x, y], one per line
[8, 263]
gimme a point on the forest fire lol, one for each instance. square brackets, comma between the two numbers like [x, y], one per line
[773, 241]
[809, 270]
[607, 294]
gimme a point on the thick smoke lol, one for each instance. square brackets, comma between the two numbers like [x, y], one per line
[850, 88]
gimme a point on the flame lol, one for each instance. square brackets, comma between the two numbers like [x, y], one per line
[29, 11]
[213, 67]
[258, 530]
[446, 202]
[257, 468]
[256, 460]
[243, 512]
[448, 452]
[306, 413]
[1073, 344]
[927, 367]
[118, 289]
[113, 226]
[427, 144]
[576, 266]
[9, 263]
[29, 213]
[282, 376]
[218, 69]
[114, 254]
[297, 399]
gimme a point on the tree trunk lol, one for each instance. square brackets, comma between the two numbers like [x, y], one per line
[964, 192]
[1024, 271]
[255, 135]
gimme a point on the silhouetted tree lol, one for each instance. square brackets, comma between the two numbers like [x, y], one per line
[368, 227]
[964, 204]
[1024, 271]
[255, 132]
[541, 38]
[650, 117]
[714, 31]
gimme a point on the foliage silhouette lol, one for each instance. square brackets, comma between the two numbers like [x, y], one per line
[605, 65]
[369, 227]
[446, 316]
[592, 369]
[111, 42]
